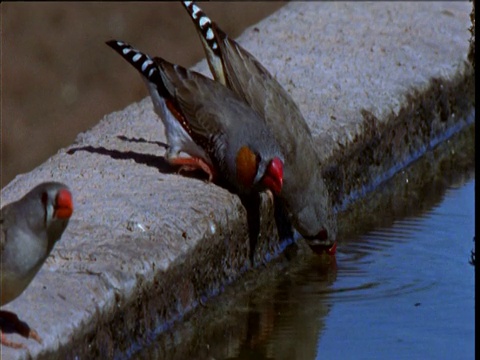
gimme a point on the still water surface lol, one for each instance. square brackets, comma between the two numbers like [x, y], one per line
[404, 291]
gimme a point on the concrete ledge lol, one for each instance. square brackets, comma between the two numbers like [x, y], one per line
[379, 84]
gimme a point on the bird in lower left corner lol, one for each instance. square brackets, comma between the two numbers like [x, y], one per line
[30, 227]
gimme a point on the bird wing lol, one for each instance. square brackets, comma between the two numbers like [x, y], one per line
[254, 83]
[236, 68]
[199, 99]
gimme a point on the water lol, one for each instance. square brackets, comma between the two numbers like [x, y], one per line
[407, 291]
[401, 287]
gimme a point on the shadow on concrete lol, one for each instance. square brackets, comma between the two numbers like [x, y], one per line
[155, 161]
[142, 140]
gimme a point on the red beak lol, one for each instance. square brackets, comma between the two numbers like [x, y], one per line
[320, 244]
[273, 178]
[63, 205]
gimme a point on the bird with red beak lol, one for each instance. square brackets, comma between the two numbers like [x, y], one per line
[210, 123]
[30, 227]
[305, 197]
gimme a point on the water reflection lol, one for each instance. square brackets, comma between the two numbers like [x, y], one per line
[422, 304]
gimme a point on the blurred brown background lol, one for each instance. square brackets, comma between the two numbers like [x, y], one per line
[58, 78]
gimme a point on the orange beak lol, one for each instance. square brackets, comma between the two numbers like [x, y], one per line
[63, 205]
[273, 178]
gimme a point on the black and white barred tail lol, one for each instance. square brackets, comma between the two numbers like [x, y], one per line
[203, 24]
[140, 61]
[209, 34]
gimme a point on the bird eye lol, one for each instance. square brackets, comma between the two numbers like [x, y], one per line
[44, 202]
[44, 198]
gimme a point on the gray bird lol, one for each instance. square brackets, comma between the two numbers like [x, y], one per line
[305, 196]
[203, 115]
[30, 227]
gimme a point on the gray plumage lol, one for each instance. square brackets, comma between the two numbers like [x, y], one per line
[217, 120]
[304, 194]
[29, 231]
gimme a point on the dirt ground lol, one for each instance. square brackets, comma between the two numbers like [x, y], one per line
[58, 78]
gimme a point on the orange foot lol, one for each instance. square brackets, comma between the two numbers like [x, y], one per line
[14, 324]
[193, 163]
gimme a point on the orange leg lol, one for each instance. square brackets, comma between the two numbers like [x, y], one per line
[191, 164]
[12, 322]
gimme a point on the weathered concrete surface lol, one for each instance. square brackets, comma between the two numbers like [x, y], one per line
[378, 83]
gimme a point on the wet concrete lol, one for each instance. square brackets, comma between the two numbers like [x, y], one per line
[379, 84]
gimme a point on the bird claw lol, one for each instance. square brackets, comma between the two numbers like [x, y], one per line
[191, 164]
[16, 325]
[11, 344]
[32, 334]
[188, 168]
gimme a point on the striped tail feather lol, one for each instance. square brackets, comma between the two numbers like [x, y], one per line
[147, 66]
[210, 35]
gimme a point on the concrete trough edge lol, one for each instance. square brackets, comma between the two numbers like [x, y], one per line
[428, 117]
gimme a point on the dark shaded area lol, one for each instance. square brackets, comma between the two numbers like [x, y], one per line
[142, 141]
[472, 255]
[157, 162]
[471, 49]
[284, 226]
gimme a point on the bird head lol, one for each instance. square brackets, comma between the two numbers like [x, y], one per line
[57, 205]
[255, 171]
